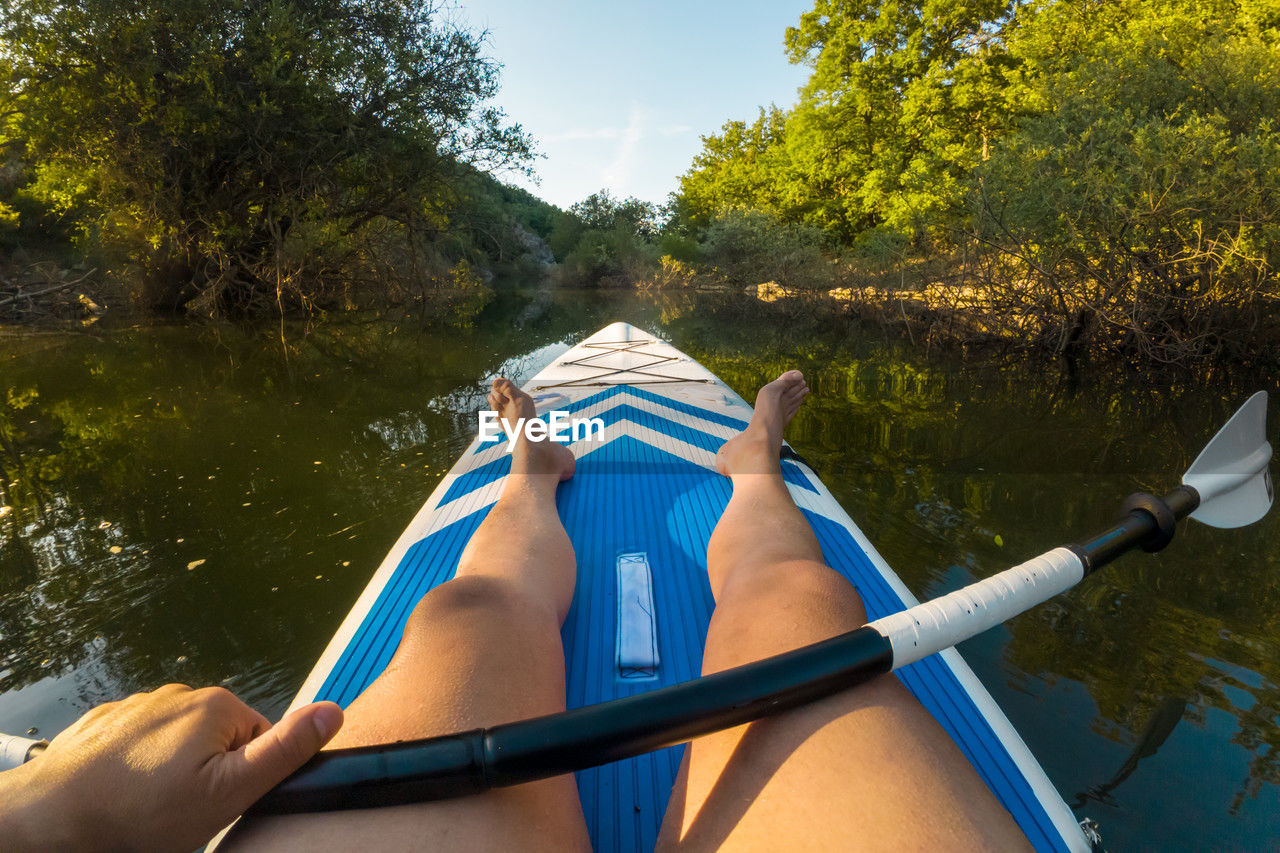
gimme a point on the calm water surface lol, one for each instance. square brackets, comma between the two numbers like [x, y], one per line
[195, 505]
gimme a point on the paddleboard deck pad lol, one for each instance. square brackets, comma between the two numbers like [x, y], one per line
[639, 511]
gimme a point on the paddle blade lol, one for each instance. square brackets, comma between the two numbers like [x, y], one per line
[1233, 472]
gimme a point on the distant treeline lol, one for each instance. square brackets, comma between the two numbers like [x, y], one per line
[235, 156]
[1072, 175]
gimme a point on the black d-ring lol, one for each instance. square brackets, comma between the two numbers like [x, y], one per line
[1160, 513]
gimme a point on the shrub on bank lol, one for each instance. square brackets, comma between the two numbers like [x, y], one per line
[606, 242]
[1153, 227]
[750, 247]
[671, 273]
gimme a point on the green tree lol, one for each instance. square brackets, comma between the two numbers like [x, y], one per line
[245, 153]
[500, 227]
[742, 167]
[603, 240]
[603, 212]
[902, 99]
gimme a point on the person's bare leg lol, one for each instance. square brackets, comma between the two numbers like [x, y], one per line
[482, 649]
[868, 768]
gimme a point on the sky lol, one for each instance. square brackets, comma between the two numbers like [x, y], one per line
[617, 94]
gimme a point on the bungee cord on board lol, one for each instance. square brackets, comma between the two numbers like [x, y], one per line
[619, 347]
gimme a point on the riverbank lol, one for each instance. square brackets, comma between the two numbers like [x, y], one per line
[927, 307]
[959, 288]
[48, 292]
[976, 304]
[53, 293]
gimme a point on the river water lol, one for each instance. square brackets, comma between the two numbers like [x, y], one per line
[204, 504]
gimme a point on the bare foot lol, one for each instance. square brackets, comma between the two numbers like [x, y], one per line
[528, 457]
[755, 449]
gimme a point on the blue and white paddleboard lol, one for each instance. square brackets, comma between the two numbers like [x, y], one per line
[639, 511]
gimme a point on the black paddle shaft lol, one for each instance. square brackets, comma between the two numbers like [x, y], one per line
[471, 762]
[1146, 522]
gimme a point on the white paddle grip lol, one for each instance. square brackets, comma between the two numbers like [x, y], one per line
[920, 631]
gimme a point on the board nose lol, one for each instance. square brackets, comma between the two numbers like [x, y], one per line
[621, 331]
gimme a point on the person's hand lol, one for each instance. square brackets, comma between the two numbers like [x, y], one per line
[158, 771]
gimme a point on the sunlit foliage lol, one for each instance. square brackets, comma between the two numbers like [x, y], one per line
[1103, 173]
[901, 99]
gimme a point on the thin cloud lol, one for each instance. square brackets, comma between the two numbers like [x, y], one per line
[619, 171]
[576, 135]
[610, 132]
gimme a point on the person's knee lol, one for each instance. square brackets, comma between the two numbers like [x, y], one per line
[801, 592]
[480, 598]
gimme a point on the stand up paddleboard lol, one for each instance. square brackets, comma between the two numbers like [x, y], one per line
[639, 511]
